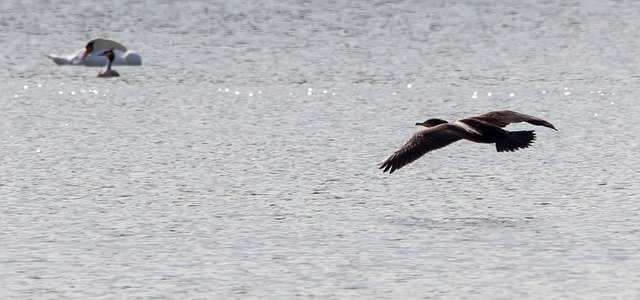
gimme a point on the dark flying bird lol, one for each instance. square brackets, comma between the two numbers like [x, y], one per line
[485, 128]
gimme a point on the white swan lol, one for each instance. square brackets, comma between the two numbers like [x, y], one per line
[90, 55]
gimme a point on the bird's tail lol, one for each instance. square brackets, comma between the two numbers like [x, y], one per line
[516, 140]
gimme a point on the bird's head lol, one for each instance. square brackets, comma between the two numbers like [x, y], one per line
[431, 123]
[88, 49]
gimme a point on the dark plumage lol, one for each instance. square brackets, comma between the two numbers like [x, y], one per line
[485, 128]
[107, 72]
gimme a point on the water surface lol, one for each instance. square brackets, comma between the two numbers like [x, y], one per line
[240, 160]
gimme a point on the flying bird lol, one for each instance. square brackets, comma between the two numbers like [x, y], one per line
[485, 128]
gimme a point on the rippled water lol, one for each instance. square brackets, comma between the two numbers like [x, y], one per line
[240, 160]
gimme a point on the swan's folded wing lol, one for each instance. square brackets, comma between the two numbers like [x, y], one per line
[419, 144]
[100, 45]
[503, 118]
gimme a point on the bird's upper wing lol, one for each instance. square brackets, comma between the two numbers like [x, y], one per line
[503, 118]
[419, 144]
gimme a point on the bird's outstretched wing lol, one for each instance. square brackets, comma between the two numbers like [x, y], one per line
[503, 118]
[419, 144]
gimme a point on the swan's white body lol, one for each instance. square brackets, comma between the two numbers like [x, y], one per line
[90, 56]
[127, 59]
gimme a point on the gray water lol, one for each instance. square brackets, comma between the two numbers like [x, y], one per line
[240, 160]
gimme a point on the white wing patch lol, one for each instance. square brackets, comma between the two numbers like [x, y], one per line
[466, 127]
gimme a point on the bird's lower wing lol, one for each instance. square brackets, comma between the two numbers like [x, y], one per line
[419, 144]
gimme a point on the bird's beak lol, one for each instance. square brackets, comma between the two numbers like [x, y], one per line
[419, 124]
